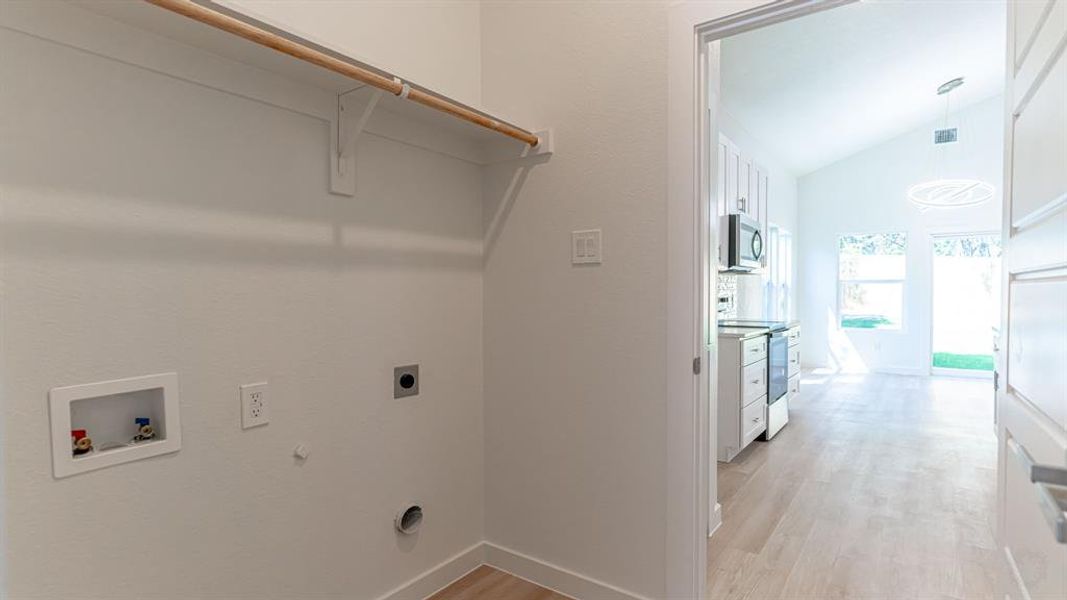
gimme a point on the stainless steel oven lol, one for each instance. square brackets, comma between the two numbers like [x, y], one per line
[777, 381]
[745, 243]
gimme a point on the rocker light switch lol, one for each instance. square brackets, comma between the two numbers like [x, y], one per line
[585, 247]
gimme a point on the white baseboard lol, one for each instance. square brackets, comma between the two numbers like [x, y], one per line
[914, 371]
[536, 571]
[553, 577]
[715, 520]
[961, 373]
[439, 576]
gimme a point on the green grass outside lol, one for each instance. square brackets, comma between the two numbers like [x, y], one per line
[865, 322]
[974, 362]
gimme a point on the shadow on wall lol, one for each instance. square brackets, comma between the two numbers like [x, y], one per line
[185, 173]
[500, 190]
[332, 231]
[844, 357]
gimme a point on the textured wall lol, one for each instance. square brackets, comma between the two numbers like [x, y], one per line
[575, 355]
[151, 225]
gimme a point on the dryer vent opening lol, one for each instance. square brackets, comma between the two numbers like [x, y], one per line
[409, 519]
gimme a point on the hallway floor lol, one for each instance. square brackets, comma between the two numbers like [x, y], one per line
[881, 486]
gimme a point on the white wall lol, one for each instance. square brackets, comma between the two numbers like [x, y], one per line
[150, 225]
[197, 226]
[432, 43]
[781, 211]
[575, 355]
[866, 193]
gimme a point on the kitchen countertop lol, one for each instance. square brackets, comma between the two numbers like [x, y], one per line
[743, 333]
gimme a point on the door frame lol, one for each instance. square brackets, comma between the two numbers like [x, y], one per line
[929, 354]
[693, 27]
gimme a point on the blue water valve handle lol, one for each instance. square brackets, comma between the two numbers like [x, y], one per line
[141, 421]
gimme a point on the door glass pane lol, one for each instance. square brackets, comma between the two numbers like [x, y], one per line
[966, 306]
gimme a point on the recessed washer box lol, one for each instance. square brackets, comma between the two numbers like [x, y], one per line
[108, 411]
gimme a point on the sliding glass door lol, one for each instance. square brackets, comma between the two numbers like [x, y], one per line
[966, 302]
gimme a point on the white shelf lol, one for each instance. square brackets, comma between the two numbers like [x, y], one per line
[162, 22]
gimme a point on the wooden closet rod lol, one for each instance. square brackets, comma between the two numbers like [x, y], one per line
[226, 23]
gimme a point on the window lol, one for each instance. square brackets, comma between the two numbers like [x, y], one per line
[778, 301]
[870, 280]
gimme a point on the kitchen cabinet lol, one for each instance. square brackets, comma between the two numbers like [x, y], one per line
[742, 392]
[739, 186]
[742, 188]
[793, 366]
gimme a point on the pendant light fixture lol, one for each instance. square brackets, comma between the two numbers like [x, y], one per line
[942, 190]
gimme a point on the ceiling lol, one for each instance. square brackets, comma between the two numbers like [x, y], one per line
[817, 89]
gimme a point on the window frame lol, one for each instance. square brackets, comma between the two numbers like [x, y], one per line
[781, 254]
[903, 282]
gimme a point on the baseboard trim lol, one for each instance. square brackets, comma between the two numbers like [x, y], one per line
[715, 520]
[552, 576]
[539, 572]
[961, 373]
[440, 576]
[913, 371]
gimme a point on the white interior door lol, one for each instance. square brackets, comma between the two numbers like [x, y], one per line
[1032, 362]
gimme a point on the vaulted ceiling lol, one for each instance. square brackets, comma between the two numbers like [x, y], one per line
[817, 89]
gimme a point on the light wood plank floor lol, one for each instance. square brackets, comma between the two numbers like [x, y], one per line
[487, 583]
[880, 487]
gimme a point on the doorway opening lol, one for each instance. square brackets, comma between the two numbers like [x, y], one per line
[965, 304]
[819, 130]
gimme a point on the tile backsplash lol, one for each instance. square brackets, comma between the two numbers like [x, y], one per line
[727, 296]
[741, 296]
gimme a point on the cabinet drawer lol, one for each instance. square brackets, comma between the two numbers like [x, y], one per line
[753, 421]
[753, 382]
[794, 335]
[793, 387]
[753, 350]
[793, 367]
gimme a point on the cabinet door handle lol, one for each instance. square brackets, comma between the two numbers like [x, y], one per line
[754, 381]
[1042, 476]
[741, 203]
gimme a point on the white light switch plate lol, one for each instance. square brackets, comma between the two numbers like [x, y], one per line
[586, 247]
[255, 405]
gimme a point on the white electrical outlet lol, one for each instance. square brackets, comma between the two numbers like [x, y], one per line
[255, 407]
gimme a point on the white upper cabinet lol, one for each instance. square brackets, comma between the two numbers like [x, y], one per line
[742, 185]
[742, 188]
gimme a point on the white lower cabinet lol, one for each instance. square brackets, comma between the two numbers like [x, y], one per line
[793, 368]
[753, 420]
[742, 393]
[754, 382]
[794, 385]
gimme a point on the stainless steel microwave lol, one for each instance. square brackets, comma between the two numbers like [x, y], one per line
[745, 243]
